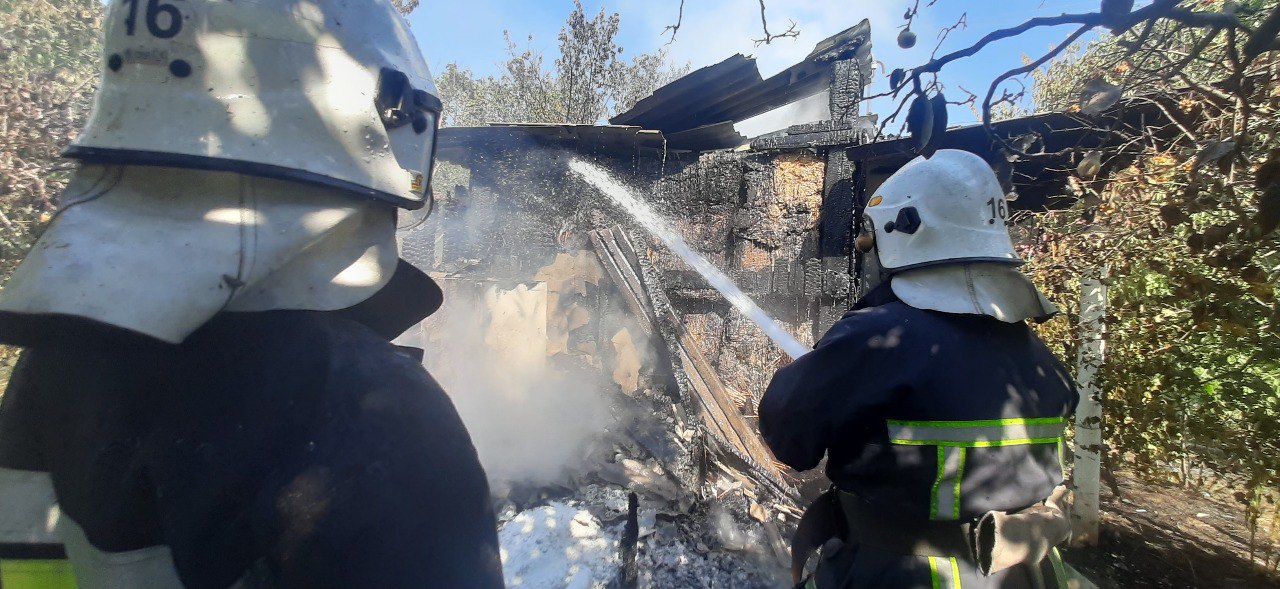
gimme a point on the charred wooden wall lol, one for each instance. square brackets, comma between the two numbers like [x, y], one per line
[756, 216]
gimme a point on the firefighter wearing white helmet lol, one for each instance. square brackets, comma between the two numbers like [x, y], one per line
[208, 388]
[947, 214]
[939, 410]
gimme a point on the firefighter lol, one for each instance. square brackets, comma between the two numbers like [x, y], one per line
[208, 391]
[939, 410]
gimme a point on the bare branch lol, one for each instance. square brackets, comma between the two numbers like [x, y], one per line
[768, 37]
[676, 27]
[914, 11]
[1205, 19]
[1194, 53]
[884, 124]
[1156, 10]
[1217, 97]
[962, 23]
[1117, 22]
[986, 103]
[1142, 38]
[1178, 123]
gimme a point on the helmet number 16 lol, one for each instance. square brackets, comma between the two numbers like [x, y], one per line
[998, 210]
[162, 28]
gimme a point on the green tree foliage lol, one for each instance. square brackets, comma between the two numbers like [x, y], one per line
[1184, 226]
[406, 6]
[590, 81]
[49, 52]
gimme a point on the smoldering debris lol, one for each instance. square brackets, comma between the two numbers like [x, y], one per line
[577, 544]
[577, 393]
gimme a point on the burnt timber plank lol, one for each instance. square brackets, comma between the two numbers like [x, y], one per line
[726, 423]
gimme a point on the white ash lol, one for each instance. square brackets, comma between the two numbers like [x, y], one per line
[574, 542]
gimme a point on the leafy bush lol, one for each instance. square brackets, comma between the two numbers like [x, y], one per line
[1185, 233]
[49, 54]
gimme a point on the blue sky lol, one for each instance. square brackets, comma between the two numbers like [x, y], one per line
[470, 32]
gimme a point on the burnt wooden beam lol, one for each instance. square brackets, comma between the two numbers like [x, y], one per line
[839, 197]
[705, 390]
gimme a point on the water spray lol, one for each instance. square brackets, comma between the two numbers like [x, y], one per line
[645, 215]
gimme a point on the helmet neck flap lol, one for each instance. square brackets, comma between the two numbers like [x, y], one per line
[938, 229]
[160, 251]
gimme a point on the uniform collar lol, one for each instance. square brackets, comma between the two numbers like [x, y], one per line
[408, 298]
[882, 294]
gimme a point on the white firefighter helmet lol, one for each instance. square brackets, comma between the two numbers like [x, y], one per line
[947, 208]
[940, 229]
[329, 92]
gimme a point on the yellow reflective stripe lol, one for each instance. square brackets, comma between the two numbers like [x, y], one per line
[812, 583]
[944, 503]
[1059, 571]
[978, 433]
[946, 576]
[937, 482]
[955, 509]
[952, 438]
[981, 422]
[981, 444]
[37, 574]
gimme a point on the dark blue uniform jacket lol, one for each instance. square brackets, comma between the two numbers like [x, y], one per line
[924, 415]
[300, 444]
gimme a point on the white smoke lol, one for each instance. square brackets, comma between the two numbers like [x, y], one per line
[806, 110]
[531, 421]
[535, 410]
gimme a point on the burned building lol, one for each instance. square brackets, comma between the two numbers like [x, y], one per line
[591, 362]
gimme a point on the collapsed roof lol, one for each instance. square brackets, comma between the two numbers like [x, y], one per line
[697, 111]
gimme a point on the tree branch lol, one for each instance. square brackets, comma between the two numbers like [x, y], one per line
[986, 103]
[1117, 22]
[961, 23]
[1266, 38]
[1194, 53]
[768, 37]
[1089, 20]
[1217, 97]
[676, 27]
[1181, 127]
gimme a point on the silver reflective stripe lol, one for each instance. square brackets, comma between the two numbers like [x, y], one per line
[977, 434]
[94, 568]
[946, 487]
[944, 572]
[28, 508]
